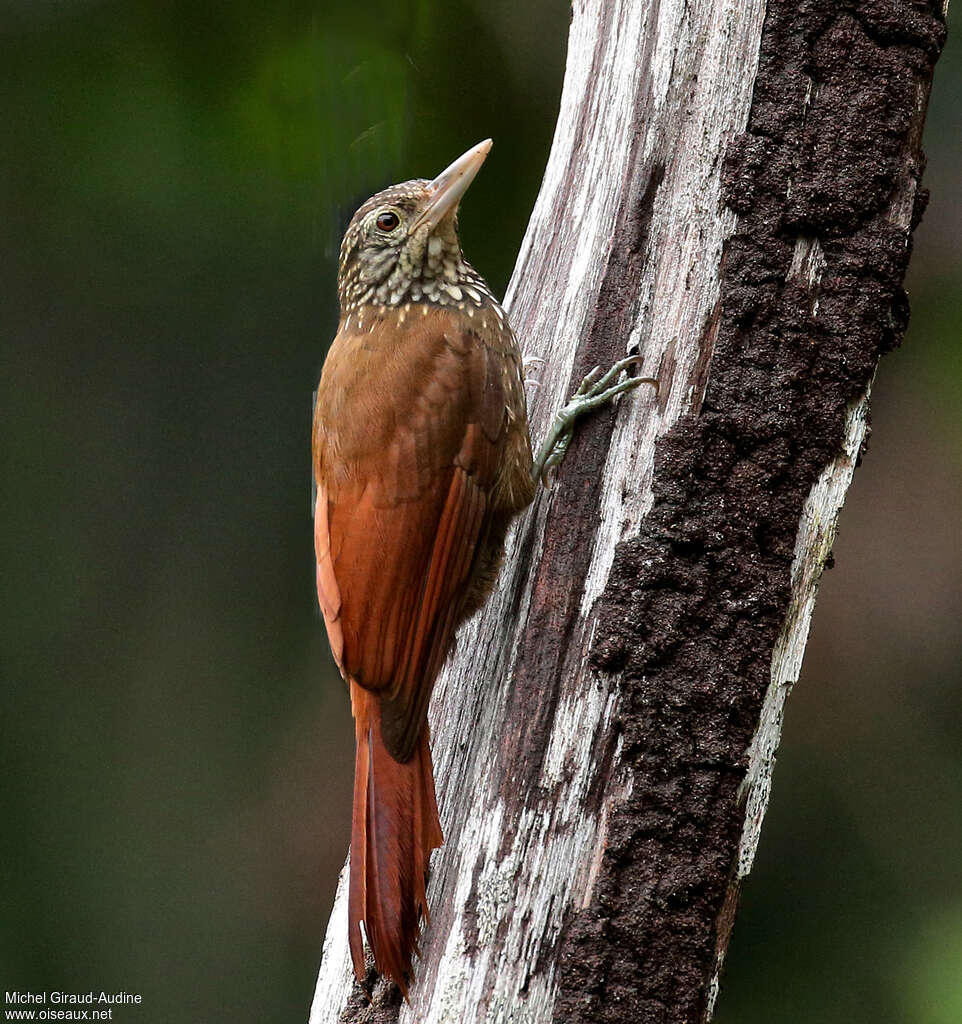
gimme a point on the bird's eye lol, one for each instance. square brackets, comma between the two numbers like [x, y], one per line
[388, 220]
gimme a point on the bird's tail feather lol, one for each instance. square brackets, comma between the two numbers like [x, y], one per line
[395, 827]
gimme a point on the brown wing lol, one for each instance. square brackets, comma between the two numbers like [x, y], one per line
[410, 423]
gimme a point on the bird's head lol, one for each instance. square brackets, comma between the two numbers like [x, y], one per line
[402, 244]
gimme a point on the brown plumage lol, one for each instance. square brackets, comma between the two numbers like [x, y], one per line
[421, 458]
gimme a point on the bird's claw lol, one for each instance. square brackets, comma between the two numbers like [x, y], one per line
[594, 391]
[530, 363]
[590, 378]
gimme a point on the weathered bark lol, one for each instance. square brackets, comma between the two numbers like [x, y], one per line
[731, 192]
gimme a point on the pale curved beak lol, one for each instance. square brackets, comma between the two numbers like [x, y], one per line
[445, 192]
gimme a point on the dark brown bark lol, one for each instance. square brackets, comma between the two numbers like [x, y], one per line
[695, 602]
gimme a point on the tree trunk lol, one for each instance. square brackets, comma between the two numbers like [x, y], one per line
[731, 192]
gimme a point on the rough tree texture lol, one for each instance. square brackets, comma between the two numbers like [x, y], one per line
[825, 186]
[739, 185]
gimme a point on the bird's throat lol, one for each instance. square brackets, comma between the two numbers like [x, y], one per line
[433, 272]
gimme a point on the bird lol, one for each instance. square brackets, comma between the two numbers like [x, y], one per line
[422, 459]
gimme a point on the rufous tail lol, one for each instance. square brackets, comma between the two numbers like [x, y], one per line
[395, 828]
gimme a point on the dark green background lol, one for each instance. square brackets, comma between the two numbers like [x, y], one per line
[175, 749]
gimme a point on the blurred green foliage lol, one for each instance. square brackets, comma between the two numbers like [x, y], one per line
[176, 748]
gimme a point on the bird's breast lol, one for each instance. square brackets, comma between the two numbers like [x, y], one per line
[402, 387]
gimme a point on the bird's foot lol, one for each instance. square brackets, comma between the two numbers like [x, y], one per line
[596, 390]
[530, 365]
